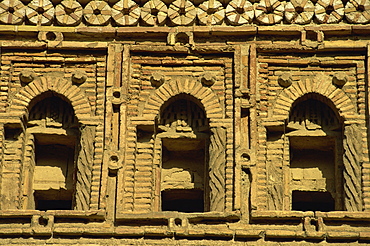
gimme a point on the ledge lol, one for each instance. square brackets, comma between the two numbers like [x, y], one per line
[284, 30]
[298, 215]
[281, 215]
[89, 214]
[344, 215]
[163, 217]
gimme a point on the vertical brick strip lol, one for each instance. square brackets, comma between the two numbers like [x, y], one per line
[366, 164]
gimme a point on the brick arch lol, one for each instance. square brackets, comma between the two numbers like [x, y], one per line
[59, 85]
[206, 96]
[342, 103]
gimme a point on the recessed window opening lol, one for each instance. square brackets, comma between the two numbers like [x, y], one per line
[183, 175]
[312, 166]
[53, 125]
[314, 131]
[183, 130]
[53, 176]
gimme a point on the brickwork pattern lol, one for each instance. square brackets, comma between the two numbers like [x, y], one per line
[245, 64]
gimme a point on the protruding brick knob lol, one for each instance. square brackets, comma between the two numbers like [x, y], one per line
[157, 79]
[340, 79]
[208, 79]
[79, 77]
[27, 76]
[285, 80]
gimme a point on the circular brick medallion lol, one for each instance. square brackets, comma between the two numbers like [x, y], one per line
[329, 11]
[182, 12]
[211, 13]
[154, 12]
[126, 13]
[40, 12]
[357, 11]
[97, 13]
[269, 12]
[12, 12]
[299, 11]
[68, 13]
[239, 12]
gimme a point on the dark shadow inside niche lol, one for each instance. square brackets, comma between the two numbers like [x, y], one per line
[183, 200]
[182, 38]
[312, 201]
[44, 202]
[11, 133]
[312, 114]
[52, 111]
[183, 114]
[53, 181]
[183, 175]
[312, 167]
[144, 133]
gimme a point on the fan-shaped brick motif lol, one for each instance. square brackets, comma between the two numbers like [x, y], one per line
[209, 100]
[59, 85]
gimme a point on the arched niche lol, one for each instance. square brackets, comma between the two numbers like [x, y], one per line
[183, 131]
[315, 146]
[328, 153]
[313, 112]
[57, 171]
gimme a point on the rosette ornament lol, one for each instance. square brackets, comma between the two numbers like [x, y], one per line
[211, 13]
[12, 12]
